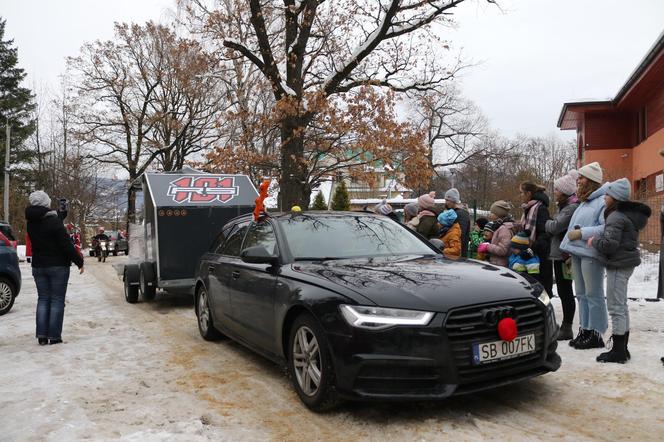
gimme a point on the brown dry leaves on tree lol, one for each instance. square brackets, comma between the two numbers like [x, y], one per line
[318, 59]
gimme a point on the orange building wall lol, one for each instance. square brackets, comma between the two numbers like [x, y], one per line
[612, 161]
[647, 160]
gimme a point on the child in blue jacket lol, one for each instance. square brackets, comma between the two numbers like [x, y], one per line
[522, 259]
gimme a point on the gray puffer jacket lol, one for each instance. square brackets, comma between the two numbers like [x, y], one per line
[618, 246]
[557, 227]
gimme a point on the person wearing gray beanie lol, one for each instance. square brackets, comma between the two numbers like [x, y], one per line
[452, 196]
[619, 190]
[52, 254]
[452, 201]
[618, 249]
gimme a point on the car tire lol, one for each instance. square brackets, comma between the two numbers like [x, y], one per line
[130, 291]
[7, 295]
[146, 275]
[204, 317]
[323, 396]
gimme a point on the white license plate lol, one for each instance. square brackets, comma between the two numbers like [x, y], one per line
[499, 350]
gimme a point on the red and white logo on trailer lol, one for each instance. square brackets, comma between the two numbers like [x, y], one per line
[202, 189]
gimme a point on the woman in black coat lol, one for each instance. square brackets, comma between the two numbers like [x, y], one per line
[52, 255]
[535, 215]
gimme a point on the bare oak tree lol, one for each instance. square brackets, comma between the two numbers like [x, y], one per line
[146, 95]
[314, 53]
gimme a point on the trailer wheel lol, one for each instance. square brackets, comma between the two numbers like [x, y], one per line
[130, 276]
[147, 276]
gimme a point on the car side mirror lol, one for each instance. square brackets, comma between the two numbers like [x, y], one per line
[258, 255]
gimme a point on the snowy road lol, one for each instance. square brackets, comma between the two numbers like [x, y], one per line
[141, 372]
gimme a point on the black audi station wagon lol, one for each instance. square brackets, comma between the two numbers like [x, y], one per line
[361, 307]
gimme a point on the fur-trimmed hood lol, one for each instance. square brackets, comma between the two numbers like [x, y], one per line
[638, 213]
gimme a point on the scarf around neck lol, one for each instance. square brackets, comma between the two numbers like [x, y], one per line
[529, 218]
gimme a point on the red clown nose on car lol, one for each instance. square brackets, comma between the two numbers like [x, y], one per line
[507, 329]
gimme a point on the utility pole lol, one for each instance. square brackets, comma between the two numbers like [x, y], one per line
[6, 201]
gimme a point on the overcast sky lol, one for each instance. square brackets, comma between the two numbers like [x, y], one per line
[533, 55]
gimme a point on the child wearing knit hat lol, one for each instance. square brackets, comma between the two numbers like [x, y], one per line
[618, 248]
[522, 259]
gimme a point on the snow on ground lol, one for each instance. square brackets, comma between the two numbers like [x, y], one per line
[142, 373]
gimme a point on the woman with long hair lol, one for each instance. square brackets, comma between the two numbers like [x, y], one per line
[535, 215]
[588, 221]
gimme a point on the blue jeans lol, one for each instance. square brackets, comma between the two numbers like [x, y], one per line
[589, 288]
[51, 290]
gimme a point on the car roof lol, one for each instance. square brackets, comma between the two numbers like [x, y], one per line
[309, 213]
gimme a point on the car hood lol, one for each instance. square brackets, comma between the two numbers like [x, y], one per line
[431, 284]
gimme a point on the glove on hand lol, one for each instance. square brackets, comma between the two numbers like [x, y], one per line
[573, 235]
[483, 248]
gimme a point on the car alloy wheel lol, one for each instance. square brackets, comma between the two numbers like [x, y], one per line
[310, 364]
[306, 361]
[6, 296]
[205, 322]
[203, 311]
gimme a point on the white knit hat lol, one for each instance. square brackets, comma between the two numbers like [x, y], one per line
[40, 198]
[592, 171]
[566, 184]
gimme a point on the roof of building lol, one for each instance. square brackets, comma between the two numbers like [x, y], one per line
[648, 73]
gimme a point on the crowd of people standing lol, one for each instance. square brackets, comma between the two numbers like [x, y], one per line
[592, 235]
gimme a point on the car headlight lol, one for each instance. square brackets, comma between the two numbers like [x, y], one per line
[378, 318]
[544, 298]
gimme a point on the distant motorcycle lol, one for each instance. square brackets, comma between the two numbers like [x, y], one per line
[101, 250]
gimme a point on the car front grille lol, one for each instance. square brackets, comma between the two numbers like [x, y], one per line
[399, 379]
[466, 327]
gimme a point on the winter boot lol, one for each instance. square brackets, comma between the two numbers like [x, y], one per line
[42, 341]
[617, 353]
[565, 333]
[629, 356]
[592, 339]
[581, 335]
[54, 341]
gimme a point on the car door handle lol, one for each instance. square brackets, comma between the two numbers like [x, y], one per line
[211, 268]
[235, 274]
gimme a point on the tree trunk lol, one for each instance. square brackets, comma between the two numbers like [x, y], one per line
[293, 186]
[131, 204]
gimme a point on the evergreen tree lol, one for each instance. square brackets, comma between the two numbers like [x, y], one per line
[319, 202]
[16, 107]
[341, 200]
[16, 103]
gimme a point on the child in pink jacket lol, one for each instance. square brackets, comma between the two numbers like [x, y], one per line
[500, 248]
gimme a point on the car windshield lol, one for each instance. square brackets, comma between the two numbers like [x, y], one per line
[336, 237]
